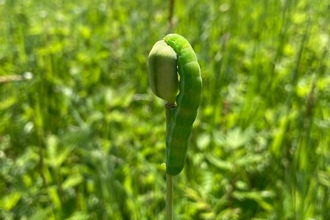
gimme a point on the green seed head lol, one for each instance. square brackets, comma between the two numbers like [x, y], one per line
[162, 71]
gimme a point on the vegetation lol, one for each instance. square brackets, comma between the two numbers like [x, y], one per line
[83, 137]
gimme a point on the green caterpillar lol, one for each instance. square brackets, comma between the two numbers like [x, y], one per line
[188, 99]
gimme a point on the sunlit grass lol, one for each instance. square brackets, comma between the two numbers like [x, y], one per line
[84, 138]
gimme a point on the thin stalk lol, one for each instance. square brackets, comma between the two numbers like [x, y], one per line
[169, 197]
[170, 15]
[169, 178]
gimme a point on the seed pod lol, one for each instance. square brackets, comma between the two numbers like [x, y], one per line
[162, 71]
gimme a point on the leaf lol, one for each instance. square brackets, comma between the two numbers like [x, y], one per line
[250, 159]
[41, 214]
[207, 181]
[323, 178]
[7, 103]
[257, 197]
[234, 139]
[72, 181]
[9, 201]
[223, 165]
[203, 141]
[55, 197]
[56, 157]
[207, 215]
[78, 216]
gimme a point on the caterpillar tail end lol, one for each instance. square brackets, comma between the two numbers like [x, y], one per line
[174, 165]
[173, 170]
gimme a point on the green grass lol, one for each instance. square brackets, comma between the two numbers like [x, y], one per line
[85, 137]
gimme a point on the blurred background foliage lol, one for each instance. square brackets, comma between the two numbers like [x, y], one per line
[83, 137]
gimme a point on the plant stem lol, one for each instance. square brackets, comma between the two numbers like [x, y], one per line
[169, 178]
[169, 197]
[170, 16]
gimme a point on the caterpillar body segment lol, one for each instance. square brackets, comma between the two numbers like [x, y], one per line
[188, 100]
